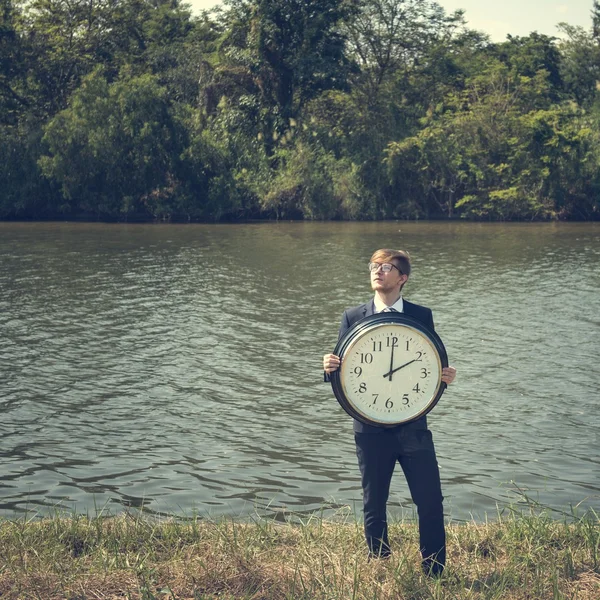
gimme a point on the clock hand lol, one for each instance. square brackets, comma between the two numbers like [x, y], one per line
[398, 368]
[391, 364]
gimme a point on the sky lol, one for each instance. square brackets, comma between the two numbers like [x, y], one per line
[498, 18]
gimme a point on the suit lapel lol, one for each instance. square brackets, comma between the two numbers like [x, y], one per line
[369, 309]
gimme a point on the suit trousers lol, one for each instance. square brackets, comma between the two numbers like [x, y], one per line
[411, 445]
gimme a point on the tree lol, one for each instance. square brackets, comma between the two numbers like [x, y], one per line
[526, 56]
[114, 149]
[284, 53]
[68, 38]
[496, 156]
[580, 64]
[13, 98]
[596, 20]
[389, 38]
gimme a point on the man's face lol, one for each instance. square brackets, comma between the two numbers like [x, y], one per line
[386, 282]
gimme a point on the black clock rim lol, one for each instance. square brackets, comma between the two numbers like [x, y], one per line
[354, 331]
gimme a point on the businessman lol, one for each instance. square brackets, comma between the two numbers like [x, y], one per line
[411, 444]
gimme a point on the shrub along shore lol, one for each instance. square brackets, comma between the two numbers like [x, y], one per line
[293, 109]
[516, 556]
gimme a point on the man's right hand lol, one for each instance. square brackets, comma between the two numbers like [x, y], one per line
[331, 363]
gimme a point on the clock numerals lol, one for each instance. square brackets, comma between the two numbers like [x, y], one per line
[389, 374]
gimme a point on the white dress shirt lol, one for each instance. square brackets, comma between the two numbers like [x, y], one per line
[380, 306]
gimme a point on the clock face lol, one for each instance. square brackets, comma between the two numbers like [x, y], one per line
[391, 372]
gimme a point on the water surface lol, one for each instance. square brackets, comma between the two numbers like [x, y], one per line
[177, 368]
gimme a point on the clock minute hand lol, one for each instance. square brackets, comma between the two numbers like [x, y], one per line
[398, 368]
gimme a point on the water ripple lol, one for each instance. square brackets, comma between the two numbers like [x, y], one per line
[177, 368]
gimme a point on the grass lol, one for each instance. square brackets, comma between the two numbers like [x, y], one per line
[131, 556]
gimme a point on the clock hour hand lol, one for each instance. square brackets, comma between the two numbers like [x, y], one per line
[392, 371]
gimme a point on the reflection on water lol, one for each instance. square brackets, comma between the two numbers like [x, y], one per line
[178, 367]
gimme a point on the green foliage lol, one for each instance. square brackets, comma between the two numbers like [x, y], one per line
[527, 56]
[300, 48]
[212, 177]
[320, 109]
[23, 191]
[310, 183]
[284, 53]
[112, 149]
[580, 64]
[10, 58]
[494, 155]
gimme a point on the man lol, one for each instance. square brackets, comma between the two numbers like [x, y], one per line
[410, 444]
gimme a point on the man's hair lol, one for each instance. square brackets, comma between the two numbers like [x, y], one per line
[398, 257]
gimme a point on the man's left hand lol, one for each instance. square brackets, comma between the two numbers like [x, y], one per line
[448, 375]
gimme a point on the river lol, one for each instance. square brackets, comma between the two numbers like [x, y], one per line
[177, 368]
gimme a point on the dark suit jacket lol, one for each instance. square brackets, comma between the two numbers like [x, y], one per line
[352, 315]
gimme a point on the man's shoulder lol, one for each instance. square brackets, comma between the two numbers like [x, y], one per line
[356, 313]
[359, 311]
[421, 313]
[413, 307]
[409, 307]
[360, 307]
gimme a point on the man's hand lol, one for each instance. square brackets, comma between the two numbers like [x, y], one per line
[331, 363]
[448, 375]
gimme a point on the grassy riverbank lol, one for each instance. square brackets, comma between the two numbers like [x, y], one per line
[515, 557]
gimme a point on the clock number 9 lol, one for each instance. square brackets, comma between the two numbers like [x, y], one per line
[358, 371]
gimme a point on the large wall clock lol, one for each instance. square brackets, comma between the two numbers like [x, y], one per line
[391, 369]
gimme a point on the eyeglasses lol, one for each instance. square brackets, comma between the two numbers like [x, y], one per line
[385, 267]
